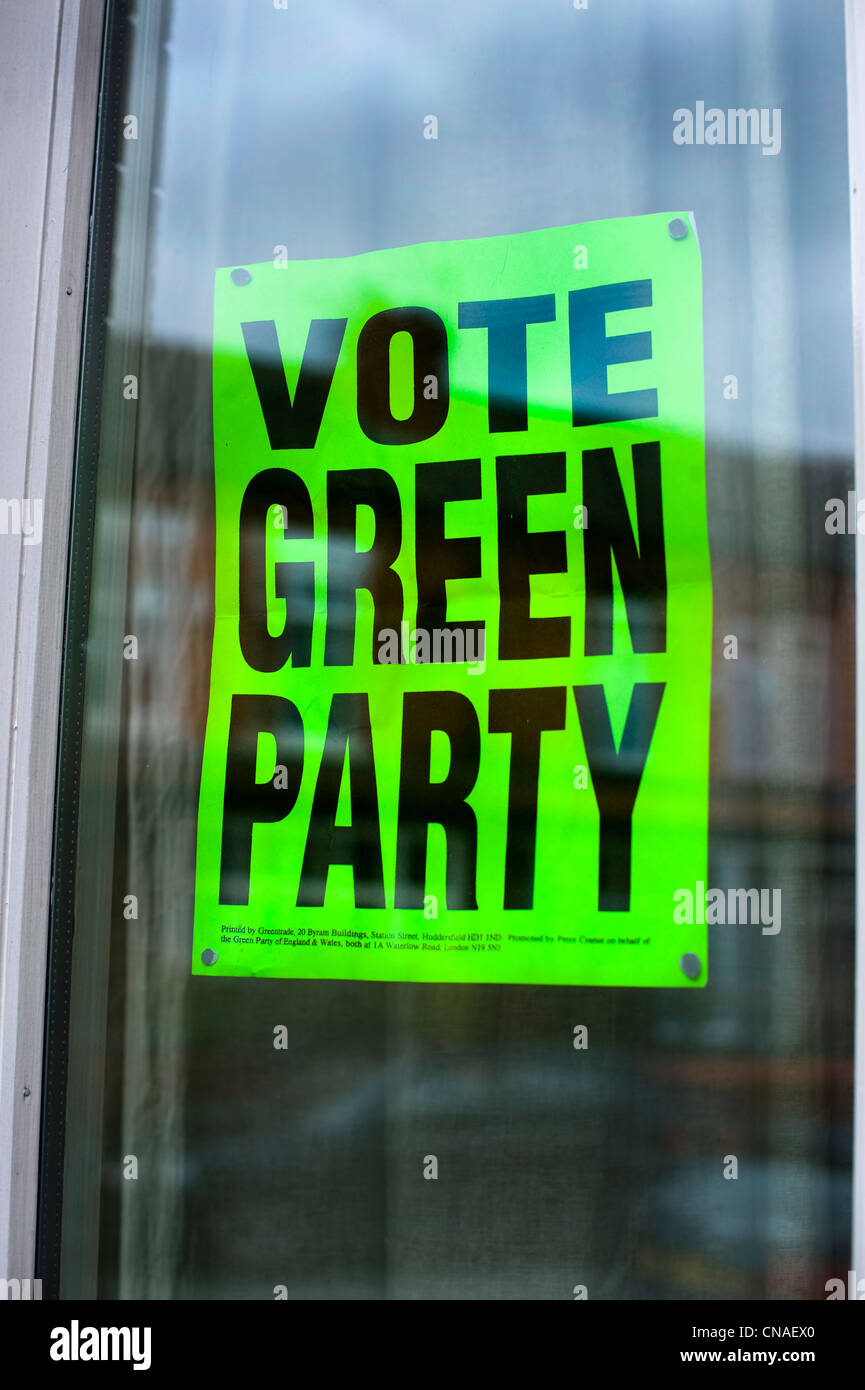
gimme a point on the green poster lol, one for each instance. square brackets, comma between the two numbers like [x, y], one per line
[458, 726]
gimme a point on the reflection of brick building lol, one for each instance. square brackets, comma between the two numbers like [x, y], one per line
[767, 1041]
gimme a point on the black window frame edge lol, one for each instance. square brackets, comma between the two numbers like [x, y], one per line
[116, 41]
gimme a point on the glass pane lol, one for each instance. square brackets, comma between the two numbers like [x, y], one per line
[201, 1161]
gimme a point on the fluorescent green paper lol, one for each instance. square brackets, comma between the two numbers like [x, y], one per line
[563, 937]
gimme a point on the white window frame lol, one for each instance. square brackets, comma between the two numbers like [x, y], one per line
[50, 61]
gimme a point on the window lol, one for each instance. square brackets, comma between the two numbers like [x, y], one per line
[700, 1146]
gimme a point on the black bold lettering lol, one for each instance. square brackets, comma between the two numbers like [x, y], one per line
[430, 346]
[247, 802]
[439, 559]
[643, 573]
[506, 321]
[293, 424]
[294, 581]
[524, 714]
[523, 553]
[348, 743]
[349, 569]
[592, 352]
[616, 779]
[422, 802]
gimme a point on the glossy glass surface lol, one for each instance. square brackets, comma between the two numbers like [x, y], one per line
[302, 1168]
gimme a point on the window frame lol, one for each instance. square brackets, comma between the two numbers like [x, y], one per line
[51, 53]
[48, 224]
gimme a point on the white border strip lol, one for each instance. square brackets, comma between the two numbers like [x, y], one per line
[50, 52]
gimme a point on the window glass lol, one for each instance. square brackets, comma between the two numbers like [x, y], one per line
[700, 1146]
